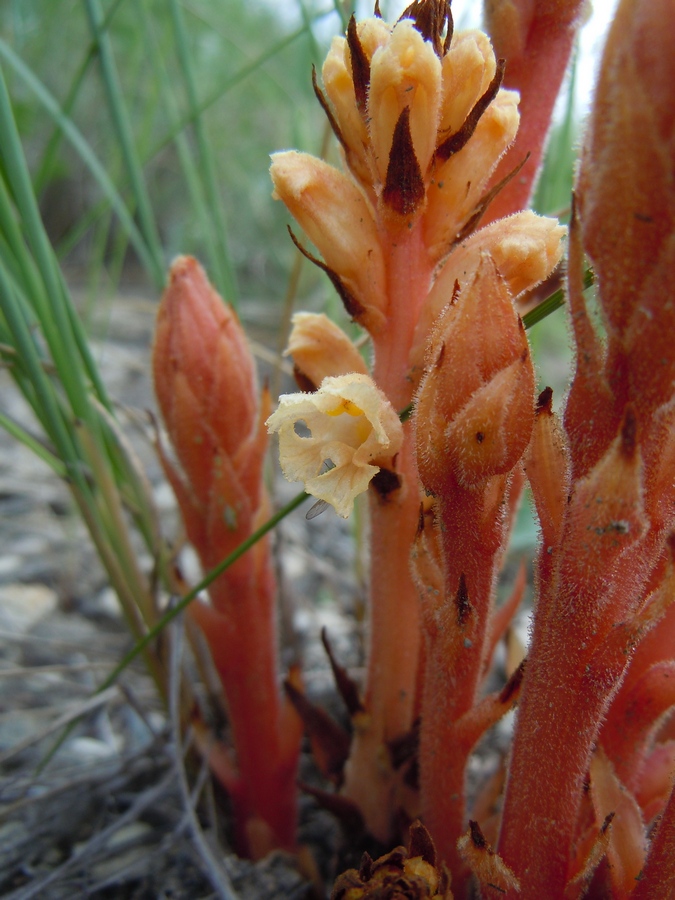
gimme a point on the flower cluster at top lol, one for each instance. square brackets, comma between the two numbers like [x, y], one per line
[422, 120]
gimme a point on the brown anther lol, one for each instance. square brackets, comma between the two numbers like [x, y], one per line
[360, 67]
[477, 836]
[303, 382]
[404, 189]
[462, 602]
[430, 18]
[455, 142]
[545, 401]
[386, 482]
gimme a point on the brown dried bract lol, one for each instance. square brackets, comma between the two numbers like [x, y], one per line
[411, 874]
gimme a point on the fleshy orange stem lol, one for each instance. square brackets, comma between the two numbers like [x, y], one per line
[394, 616]
[455, 658]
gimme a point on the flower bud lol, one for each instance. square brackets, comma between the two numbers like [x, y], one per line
[338, 80]
[475, 405]
[460, 182]
[525, 248]
[334, 439]
[205, 380]
[338, 219]
[404, 73]
[468, 69]
[320, 349]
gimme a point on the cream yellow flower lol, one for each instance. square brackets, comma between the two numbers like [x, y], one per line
[336, 439]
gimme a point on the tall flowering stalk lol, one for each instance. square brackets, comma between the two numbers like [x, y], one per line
[422, 120]
[605, 575]
[606, 572]
[206, 387]
[475, 414]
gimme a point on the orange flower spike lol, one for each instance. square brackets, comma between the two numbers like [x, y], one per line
[409, 103]
[205, 382]
[535, 37]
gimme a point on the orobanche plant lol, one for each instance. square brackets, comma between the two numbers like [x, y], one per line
[424, 235]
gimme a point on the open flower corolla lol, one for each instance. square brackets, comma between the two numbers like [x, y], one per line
[336, 439]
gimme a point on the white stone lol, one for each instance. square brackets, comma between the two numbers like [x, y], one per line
[23, 605]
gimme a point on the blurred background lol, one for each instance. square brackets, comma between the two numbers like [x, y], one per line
[174, 108]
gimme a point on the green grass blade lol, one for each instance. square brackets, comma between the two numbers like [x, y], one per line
[553, 302]
[33, 444]
[122, 124]
[31, 361]
[46, 169]
[49, 300]
[227, 85]
[85, 152]
[221, 264]
[194, 182]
